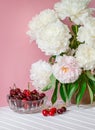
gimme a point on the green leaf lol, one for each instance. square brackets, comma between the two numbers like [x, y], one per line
[63, 93]
[52, 59]
[91, 93]
[94, 98]
[68, 88]
[74, 87]
[51, 84]
[53, 80]
[90, 76]
[74, 43]
[75, 29]
[54, 96]
[92, 85]
[47, 87]
[81, 92]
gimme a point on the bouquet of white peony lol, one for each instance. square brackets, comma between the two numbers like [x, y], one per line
[71, 48]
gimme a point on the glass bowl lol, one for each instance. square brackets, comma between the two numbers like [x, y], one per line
[24, 106]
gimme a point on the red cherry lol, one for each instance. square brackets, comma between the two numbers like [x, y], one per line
[28, 98]
[12, 92]
[26, 92]
[24, 100]
[61, 110]
[34, 103]
[17, 90]
[42, 95]
[26, 106]
[45, 112]
[64, 109]
[34, 92]
[52, 111]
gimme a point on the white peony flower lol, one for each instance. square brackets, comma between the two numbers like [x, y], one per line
[86, 33]
[39, 74]
[39, 21]
[85, 55]
[75, 9]
[66, 69]
[54, 38]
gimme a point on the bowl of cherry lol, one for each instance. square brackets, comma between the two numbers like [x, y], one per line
[26, 101]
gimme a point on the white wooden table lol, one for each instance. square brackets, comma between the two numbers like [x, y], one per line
[74, 119]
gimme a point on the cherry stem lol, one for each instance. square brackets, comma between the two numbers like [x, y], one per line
[14, 85]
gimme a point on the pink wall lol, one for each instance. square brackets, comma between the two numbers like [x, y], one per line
[16, 53]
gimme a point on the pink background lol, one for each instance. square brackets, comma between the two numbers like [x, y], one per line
[16, 53]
